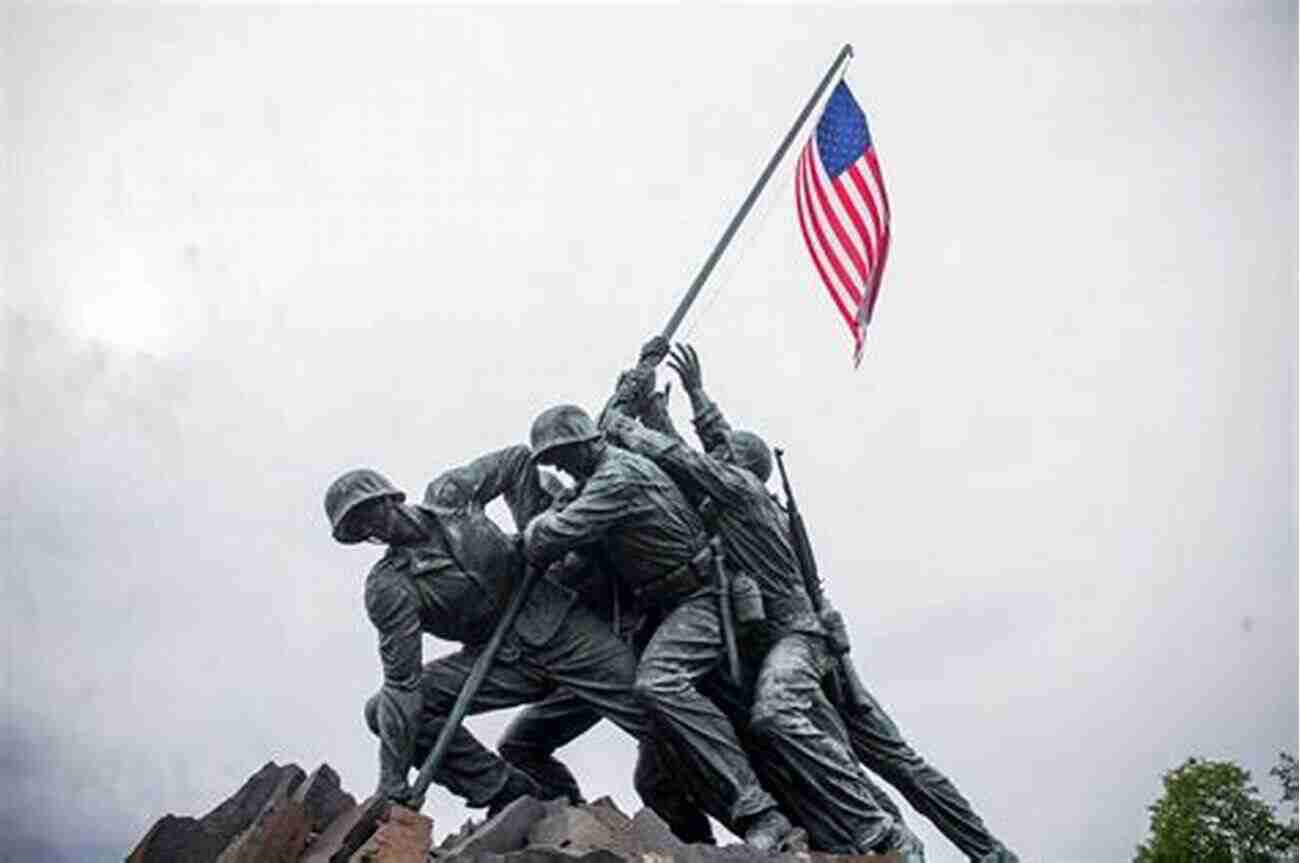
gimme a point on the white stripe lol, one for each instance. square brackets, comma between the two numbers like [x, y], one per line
[847, 223]
[861, 204]
[803, 186]
[876, 192]
[835, 283]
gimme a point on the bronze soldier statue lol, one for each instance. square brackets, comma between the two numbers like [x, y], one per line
[659, 547]
[790, 717]
[875, 738]
[448, 570]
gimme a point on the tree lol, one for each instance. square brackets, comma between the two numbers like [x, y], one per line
[1286, 773]
[1210, 813]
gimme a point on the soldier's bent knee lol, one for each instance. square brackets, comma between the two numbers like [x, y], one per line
[657, 687]
[767, 720]
[516, 752]
[372, 714]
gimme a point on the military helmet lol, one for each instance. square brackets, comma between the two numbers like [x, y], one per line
[350, 491]
[751, 452]
[560, 426]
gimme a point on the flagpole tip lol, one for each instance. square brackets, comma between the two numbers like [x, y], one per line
[848, 48]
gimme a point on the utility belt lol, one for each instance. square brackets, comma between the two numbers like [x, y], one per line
[739, 599]
[700, 572]
[696, 574]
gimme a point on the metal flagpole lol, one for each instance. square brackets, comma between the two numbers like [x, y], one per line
[482, 665]
[676, 319]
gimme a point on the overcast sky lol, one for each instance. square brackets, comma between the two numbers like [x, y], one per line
[248, 249]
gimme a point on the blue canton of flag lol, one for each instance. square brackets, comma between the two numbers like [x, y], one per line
[844, 212]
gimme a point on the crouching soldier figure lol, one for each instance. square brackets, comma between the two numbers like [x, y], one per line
[449, 571]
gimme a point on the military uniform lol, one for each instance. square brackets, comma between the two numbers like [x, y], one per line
[455, 587]
[874, 737]
[657, 543]
[530, 740]
[802, 740]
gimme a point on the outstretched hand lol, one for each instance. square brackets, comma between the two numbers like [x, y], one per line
[654, 351]
[686, 363]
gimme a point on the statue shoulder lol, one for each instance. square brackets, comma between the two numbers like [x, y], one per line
[391, 567]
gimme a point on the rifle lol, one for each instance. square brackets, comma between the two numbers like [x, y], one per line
[847, 687]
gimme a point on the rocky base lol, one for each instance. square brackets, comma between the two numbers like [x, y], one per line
[281, 815]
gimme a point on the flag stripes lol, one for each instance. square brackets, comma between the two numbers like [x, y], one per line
[843, 211]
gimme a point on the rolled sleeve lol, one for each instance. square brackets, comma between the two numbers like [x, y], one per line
[597, 510]
[710, 425]
[698, 474]
[506, 472]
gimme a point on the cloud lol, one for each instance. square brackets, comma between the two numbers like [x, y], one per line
[1062, 481]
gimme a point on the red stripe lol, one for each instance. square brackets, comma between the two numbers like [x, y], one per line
[840, 233]
[861, 182]
[811, 214]
[880, 180]
[856, 218]
[799, 194]
[842, 273]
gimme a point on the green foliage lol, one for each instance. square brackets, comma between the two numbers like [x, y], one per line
[1210, 813]
[1285, 772]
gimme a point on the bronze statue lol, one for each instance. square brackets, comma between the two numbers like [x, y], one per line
[875, 738]
[659, 548]
[448, 571]
[789, 715]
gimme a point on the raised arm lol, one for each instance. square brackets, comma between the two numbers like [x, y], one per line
[598, 508]
[711, 426]
[636, 385]
[506, 472]
[699, 475]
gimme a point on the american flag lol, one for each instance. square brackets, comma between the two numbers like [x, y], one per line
[844, 211]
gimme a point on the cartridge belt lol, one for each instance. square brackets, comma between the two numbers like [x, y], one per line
[695, 574]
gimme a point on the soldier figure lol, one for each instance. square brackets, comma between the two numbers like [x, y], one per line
[449, 571]
[658, 545]
[875, 738]
[790, 717]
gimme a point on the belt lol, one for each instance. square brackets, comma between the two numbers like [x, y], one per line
[691, 576]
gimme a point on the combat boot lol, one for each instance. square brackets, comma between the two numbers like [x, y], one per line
[999, 854]
[518, 784]
[900, 839]
[768, 830]
[910, 847]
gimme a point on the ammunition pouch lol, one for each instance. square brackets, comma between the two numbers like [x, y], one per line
[746, 600]
[837, 634]
[694, 575]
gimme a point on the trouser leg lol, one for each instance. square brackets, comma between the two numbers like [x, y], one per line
[878, 744]
[587, 660]
[474, 773]
[470, 769]
[737, 704]
[596, 672]
[660, 782]
[531, 738]
[685, 648]
[832, 796]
